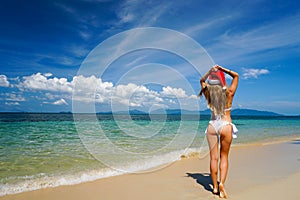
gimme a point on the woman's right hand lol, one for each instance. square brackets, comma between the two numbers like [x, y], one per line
[215, 68]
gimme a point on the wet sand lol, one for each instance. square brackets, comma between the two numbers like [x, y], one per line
[257, 171]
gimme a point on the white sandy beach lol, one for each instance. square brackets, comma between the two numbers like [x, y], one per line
[269, 171]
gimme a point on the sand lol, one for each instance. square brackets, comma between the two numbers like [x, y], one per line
[269, 171]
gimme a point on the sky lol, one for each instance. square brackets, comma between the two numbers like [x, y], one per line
[90, 55]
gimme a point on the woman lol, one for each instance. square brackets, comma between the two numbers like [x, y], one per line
[219, 97]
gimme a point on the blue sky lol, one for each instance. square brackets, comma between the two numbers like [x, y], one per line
[43, 44]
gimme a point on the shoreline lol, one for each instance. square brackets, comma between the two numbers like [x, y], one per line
[267, 141]
[99, 174]
[189, 177]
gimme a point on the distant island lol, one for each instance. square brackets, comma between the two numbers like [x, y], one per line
[249, 112]
[234, 112]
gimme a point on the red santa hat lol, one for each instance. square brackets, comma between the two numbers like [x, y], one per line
[217, 78]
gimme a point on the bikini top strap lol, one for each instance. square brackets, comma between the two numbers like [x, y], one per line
[225, 110]
[228, 109]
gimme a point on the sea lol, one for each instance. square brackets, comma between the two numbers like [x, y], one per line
[41, 150]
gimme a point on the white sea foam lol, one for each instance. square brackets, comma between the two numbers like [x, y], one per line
[30, 183]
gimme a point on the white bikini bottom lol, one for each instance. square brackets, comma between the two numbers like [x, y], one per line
[219, 123]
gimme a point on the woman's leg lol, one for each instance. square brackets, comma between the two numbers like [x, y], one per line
[212, 139]
[225, 141]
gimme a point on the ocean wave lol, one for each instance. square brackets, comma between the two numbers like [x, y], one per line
[39, 181]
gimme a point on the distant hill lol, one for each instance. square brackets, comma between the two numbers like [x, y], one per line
[131, 112]
[174, 112]
[238, 112]
[249, 112]
[235, 112]
[205, 112]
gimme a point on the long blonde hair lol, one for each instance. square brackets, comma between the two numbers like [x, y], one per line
[216, 98]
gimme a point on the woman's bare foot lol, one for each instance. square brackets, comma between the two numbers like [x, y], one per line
[223, 193]
[215, 191]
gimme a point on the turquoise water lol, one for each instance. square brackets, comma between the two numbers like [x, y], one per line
[47, 150]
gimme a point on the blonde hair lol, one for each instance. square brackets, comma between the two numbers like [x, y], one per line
[216, 98]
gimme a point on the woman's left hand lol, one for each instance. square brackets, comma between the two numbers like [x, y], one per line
[216, 68]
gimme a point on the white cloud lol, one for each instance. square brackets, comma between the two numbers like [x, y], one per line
[134, 95]
[50, 95]
[193, 97]
[127, 18]
[132, 11]
[14, 97]
[39, 81]
[86, 89]
[202, 27]
[12, 103]
[89, 89]
[60, 102]
[243, 45]
[66, 8]
[92, 89]
[172, 101]
[173, 92]
[79, 50]
[136, 61]
[253, 73]
[280, 33]
[48, 74]
[84, 34]
[3, 81]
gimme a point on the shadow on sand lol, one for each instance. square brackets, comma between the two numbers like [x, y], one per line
[295, 141]
[203, 179]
